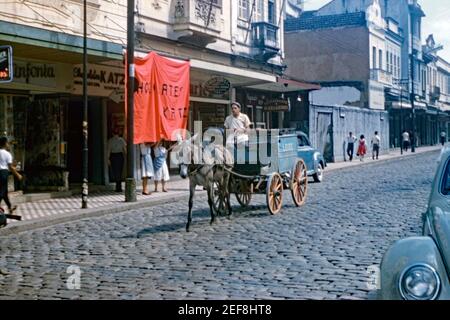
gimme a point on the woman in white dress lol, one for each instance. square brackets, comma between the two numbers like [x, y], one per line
[160, 166]
[146, 166]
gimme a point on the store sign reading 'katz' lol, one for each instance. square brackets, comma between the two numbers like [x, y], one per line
[101, 80]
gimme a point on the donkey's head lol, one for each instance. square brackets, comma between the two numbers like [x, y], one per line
[184, 155]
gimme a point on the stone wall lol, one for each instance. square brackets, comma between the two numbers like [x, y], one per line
[346, 119]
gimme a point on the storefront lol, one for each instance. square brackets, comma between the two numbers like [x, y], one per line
[41, 114]
[210, 97]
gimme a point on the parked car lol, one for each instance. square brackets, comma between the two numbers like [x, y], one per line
[315, 163]
[418, 268]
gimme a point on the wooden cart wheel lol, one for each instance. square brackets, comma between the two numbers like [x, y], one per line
[299, 183]
[242, 192]
[219, 205]
[274, 193]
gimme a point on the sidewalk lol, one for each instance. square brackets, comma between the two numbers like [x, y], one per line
[43, 213]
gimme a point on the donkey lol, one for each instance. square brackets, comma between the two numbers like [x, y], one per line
[215, 160]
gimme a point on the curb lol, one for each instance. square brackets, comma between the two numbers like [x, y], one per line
[85, 214]
[371, 162]
[119, 208]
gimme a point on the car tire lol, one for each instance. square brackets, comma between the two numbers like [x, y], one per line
[318, 176]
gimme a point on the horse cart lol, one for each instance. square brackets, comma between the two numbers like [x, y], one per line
[267, 171]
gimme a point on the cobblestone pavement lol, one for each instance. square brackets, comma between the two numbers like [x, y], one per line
[319, 251]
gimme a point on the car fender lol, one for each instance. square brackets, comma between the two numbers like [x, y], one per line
[404, 254]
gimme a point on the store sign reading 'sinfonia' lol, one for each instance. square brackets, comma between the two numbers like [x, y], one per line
[101, 80]
[35, 73]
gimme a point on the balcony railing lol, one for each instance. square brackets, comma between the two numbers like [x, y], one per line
[265, 39]
[197, 21]
[381, 76]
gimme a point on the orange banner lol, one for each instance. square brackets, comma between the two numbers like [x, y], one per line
[161, 99]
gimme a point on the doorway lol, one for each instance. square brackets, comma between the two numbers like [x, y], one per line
[324, 130]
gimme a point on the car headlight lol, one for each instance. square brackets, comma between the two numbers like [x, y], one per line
[419, 282]
[316, 156]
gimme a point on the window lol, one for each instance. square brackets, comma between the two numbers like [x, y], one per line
[303, 141]
[243, 9]
[424, 80]
[259, 10]
[374, 58]
[380, 56]
[398, 67]
[391, 58]
[271, 16]
[394, 65]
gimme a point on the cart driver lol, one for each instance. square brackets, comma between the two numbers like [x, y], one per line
[237, 125]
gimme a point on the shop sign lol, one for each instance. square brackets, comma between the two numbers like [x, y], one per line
[276, 105]
[255, 100]
[101, 80]
[35, 73]
[215, 87]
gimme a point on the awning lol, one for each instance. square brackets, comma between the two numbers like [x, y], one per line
[42, 44]
[286, 85]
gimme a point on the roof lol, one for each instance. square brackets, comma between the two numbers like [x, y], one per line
[311, 22]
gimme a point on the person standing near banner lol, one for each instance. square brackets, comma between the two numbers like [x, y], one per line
[160, 166]
[117, 149]
[146, 166]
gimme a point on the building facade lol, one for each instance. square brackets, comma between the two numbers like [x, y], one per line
[41, 109]
[235, 50]
[362, 53]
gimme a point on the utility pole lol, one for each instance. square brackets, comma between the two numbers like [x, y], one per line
[413, 96]
[130, 184]
[84, 193]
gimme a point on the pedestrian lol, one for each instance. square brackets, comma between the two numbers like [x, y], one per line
[6, 166]
[160, 166]
[146, 166]
[117, 149]
[351, 139]
[375, 142]
[362, 148]
[443, 135]
[405, 140]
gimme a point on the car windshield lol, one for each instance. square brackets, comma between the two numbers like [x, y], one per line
[445, 188]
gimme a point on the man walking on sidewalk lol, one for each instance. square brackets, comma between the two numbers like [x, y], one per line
[405, 140]
[350, 145]
[375, 145]
[443, 135]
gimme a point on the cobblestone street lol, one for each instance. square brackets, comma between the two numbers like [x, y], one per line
[319, 251]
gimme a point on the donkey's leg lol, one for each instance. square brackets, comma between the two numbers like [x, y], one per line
[227, 192]
[210, 202]
[191, 198]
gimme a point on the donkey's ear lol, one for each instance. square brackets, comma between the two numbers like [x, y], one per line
[195, 137]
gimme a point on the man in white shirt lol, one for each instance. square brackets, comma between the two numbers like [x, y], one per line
[238, 123]
[443, 135]
[6, 165]
[351, 139]
[375, 145]
[405, 140]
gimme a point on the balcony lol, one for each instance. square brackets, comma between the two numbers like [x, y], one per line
[197, 21]
[265, 40]
[435, 93]
[381, 76]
